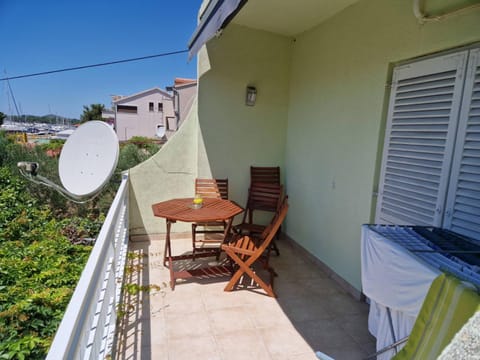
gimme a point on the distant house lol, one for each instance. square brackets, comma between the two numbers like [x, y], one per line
[142, 114]
[152, 113]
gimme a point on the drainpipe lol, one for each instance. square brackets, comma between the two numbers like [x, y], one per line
[423, 18]
[176, 104]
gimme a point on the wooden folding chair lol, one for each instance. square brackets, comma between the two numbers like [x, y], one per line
[209, 188]
[264, 174]
[261, 197]
[245, 251]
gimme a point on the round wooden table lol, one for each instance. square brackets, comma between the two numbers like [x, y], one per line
[183, 210]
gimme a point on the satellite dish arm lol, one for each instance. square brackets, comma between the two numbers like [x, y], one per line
[29, 170]
[100, 150]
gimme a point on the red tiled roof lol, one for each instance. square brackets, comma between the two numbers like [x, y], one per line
[183, 81]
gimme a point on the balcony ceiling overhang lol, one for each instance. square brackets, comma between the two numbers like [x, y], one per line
[213, 18]
[284, 17]
[287, 17]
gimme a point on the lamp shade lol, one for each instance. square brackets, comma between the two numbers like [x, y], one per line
[251, 96]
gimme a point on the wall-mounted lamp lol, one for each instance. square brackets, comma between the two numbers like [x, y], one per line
[251, 96]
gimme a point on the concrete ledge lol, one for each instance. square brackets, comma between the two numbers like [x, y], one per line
[345, 285]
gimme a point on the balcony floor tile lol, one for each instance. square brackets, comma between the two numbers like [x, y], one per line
[198, 320]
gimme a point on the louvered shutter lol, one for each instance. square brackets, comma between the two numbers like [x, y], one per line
[419, 139]
[463, 204]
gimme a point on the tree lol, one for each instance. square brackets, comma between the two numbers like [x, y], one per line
[2, 117]
[92, 112]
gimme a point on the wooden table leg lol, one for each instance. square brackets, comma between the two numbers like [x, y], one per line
[227, 229]
[165, 249]
[168, 254]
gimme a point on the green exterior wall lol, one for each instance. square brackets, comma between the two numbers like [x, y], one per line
[336, 118]
[168, 174]
[237, 136]
[320, 114]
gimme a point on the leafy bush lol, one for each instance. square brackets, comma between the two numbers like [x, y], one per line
[12, 153]
[130, 156]
[76, 229]
[39, 263]
[55, 144]
[39, 268]
[148, 145]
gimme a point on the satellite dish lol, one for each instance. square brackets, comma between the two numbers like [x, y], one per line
[87, 161]
[88, 158]
[160, 131]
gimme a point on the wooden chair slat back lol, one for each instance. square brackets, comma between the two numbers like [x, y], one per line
[212, 188]
[264, 174]
[266, 197]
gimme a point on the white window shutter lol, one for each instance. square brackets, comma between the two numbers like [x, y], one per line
[463, 204]
[419, 140]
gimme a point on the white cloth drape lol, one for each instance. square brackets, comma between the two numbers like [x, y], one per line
[393, 278]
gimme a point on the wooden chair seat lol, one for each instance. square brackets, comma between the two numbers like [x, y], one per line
[245, 251]
[250, 229]
[262, 197]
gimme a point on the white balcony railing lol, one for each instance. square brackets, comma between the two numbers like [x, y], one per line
[87, 329]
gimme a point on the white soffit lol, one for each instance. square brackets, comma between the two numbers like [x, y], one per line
[287, 17]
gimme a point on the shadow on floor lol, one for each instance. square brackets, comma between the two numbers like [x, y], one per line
[198, 320]
[133, 328]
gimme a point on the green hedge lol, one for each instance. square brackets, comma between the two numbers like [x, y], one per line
[39, 269]
[39, 264]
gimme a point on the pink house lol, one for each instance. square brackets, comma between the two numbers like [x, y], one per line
[143, 114]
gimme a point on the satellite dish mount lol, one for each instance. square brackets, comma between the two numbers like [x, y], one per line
[87, 162]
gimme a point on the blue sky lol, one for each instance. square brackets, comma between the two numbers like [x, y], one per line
[45, 35]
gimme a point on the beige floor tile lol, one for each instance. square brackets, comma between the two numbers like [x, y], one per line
[267, 316]
[356, 326]
[187, 325]
[284, 341]
[219, 299]
[344, 304]
[183, 300]
[306, 356]
[369, 347]
[323, 333]
[198, 320]
[323, 286]
[249, 297]
[145, 353]
[287, 289]
[158, 334]
[193, 347]
[242, 345]
[299, 272]
[230, 320]
[344, 352]
[305, 308]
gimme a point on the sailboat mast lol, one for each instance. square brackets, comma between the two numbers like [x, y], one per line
[11, 94]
